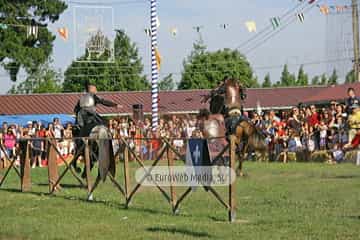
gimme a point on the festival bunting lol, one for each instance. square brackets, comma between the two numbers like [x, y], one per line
[275, 21]
[158, 58]
[174, 31]
[32, 31]
[224, 26]
[301, 17]
[324, 10]
[251, 26]
[64, 33]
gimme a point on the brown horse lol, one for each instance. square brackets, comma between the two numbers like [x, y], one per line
[249, 137]
[225, 106]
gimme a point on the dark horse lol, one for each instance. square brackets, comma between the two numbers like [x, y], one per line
[225, 108]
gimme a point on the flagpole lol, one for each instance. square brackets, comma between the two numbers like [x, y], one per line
[154, 68]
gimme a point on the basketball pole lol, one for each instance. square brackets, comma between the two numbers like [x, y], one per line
[154, 68]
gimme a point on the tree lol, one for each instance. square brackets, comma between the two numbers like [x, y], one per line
[350, 78]
[323, 80]
[124, 74]
[287, 79]
[167, 83]
[267, 81]
[315, 80]
[204, 69]
[43, 80]
[16, 48]
[333, 78]
[302, 79]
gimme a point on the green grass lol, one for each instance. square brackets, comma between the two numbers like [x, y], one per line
[275, 201]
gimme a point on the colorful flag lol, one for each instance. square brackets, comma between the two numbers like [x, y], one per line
[147, 31]
[64, 33]
[174, 31]
[251, 26]
[32, 31]
[275, 21]
[158, 58]
[157, 22]
[301, 17]
[340, 8]
[224, 26]
[324, 10]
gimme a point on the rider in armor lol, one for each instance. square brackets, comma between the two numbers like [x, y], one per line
[229, 95]
[85, 110]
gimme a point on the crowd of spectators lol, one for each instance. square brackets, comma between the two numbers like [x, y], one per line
[302, 129]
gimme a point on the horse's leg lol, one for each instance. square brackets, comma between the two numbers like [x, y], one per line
[90, 195]
[77, 154]
[241, 157]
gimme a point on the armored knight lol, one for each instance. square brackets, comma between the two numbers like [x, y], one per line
[85, 110]
[226, 100]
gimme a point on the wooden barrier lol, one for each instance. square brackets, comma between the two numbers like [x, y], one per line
[166, 149]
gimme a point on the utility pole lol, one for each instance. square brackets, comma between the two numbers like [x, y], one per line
[355, 25]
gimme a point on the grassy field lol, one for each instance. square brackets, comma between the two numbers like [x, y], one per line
[275, 201]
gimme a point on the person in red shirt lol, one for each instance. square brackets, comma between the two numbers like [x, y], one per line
[313, 119]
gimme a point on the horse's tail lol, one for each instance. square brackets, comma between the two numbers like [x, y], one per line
[105, 156]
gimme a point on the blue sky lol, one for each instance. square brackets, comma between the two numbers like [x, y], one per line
[297, 43]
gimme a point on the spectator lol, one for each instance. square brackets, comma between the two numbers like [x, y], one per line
[352, 99]
[354, 121]
[37, 147]
[9, 140]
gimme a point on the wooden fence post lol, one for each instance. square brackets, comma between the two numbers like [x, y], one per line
[126, 175]
[53, 175]
[25, 169]
[232, 212]
[172, 189]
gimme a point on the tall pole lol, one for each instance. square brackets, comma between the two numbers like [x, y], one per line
[355, 25]
[154, 68]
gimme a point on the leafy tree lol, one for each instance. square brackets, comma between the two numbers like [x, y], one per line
[167, 83]
[267, 81]
[350, 78]
[204, 69]
[124, 74]
[43, 80]
[315, 80]
[302, 79]
[16, 49]
[333, 78]
[323, 80]
[287, 79]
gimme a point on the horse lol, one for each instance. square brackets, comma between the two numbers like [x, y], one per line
[100, 150]
[226, 117]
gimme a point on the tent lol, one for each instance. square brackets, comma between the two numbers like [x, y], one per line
[44, 119]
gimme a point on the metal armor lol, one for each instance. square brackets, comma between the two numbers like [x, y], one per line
[87, 102]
